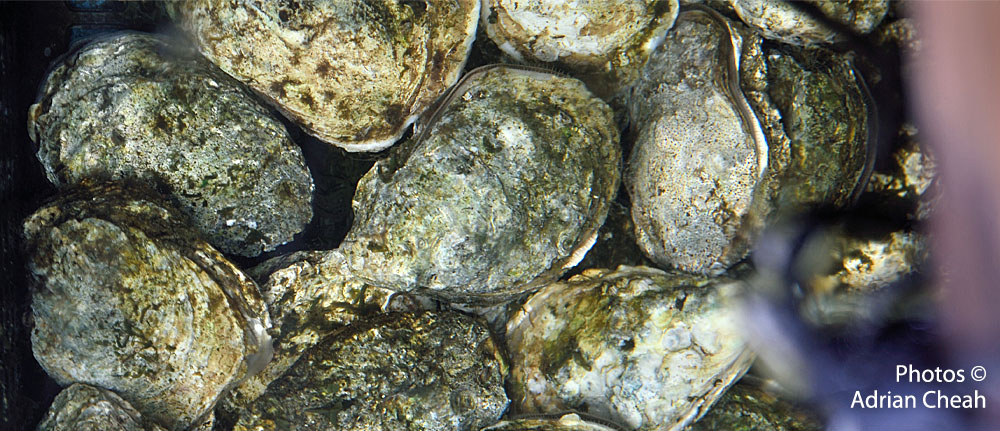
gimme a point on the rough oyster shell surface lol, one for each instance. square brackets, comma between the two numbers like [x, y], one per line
[129, 299]
[354, 74]
[594, 36]
[699, 155]
[637, 346]
[399, 371]
[779, 20]
[554, 422]
[85, 407]
[745, 407]
[134, 106]
[506, 186]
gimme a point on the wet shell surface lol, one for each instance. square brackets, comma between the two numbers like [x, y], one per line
[553, 422]
[128, 298]
[779, 20]
[636, 346]
[505, 188]
[699, 155]
[612, 37]
[132, 106]
[400, 371]
[354, 74]
[84, 407]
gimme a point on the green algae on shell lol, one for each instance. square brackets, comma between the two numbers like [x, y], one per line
[594, 37]
[129, 298]
[700, 156]
[135, 106]
[354, 74]
[398, 371]
[503, 189]
[85, 407]
[636, 346]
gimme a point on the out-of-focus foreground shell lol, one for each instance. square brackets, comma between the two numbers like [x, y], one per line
[637, 346]
[779, 20]
[399, 371]
[563, 422]
[354, 74]
[129, 299]
[83, 407]
[133, 106]
[700, 155]
[504, 189]
[593, 36]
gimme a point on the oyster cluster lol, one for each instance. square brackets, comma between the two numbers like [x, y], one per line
[453, 302]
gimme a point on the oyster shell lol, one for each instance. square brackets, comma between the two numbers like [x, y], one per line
[746, 407]
[779, 20]
[354, 74]
[84, 407]
[591, 37]
[504, 188]
[700, 155]
[131, 105]
[130, 299]
[399, 371]
[552, 422]
[636, 346]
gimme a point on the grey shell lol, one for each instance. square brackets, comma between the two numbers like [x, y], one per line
[399, 371]
[129, 299]
[354, 74]
[82, 407]
[503, 189]
[636, 346]
[133, 106]
[700, 155]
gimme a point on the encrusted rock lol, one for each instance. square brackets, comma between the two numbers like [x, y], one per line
[134, 106]
[354, 74]
[397, 371]
[746, 407]
[130, 299]
[637, 347]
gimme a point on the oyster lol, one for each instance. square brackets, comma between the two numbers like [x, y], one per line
[636, 346]
[130, 299]
[700, 155]
[552, 422]
[591, 37]
[399, 371]
[132, 105]
[746, 407]
[910, 178]
[354, 74]
[782, 21]
[504, 188]
[84, 407]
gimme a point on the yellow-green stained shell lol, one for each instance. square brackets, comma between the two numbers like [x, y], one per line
[398, 371]
[128, 298]
[555, 422]
[136, 106]
[352, 73]
[746, 407]
[504, 189]
[84, 407]
[610, 37]
[636, 346]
